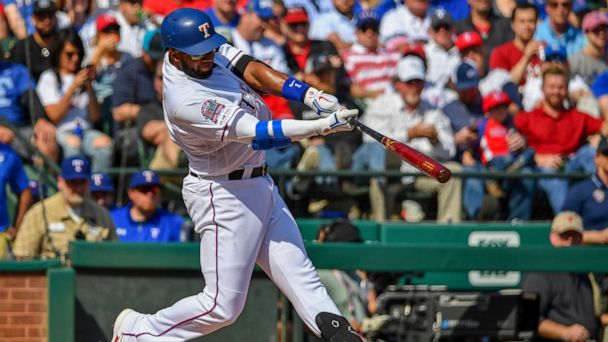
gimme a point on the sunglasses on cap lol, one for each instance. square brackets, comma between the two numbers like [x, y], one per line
[438, 27]
[555, 58]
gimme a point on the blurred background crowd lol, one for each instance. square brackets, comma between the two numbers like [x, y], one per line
[511, 94]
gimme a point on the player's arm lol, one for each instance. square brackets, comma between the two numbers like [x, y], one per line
[264, 135]
[265, 79]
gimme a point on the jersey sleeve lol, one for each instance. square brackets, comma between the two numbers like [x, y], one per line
[228, 56]
[206, 117]
[48, 88]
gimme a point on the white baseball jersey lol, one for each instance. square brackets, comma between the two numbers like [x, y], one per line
[198, 113]
[400, 22]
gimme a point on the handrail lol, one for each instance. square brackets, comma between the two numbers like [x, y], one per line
[390, 174]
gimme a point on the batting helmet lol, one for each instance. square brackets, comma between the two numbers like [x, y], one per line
[190, 31]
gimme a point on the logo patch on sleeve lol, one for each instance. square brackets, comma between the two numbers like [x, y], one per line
[211, 110]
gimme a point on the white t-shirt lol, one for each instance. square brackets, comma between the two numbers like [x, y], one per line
[200, 112]
[264, 50]
[50, 93]
[400, 22]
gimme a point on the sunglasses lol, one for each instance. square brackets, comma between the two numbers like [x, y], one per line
[446, 27]
[147, 189]
[71, 54]
[555, 58]
[365, 27]
[559, 4]
[199, 57]
[296, 25]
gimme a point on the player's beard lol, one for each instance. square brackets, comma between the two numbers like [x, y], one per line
[192, 72]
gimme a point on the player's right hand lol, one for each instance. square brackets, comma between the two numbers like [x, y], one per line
[321, 103]
[337, 121]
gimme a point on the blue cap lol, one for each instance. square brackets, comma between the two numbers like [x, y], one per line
[190, 31]
[144, 178]
[101, 182]
[467, 76]
[600, 85]
[74, 168]
[153, 44]
[263, 8]
[555, 52]
[366, 18]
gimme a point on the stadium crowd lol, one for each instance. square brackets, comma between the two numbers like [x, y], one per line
[489, 86]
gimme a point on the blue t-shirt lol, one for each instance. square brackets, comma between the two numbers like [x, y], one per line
[15, 80]
[11, 172]
[134, 83]
[217, 23]
[162, 227]
[26, 8]
[589, 199]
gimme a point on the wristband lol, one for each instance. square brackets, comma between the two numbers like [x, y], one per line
[294, 89]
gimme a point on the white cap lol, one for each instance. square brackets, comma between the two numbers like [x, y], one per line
[410, 68]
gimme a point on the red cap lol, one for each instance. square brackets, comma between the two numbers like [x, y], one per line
[296, 15]
[416, 49]
[105, 20]
[467, 40]
[494, 99]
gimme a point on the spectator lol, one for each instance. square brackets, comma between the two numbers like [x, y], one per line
[19, 15]
[106, 60]
[314, 9]
[569, 302]
[143, 220]
[249, 38]
[379, 7]
[459, 9]
[369, 67]
[50, 225]
[569, 130]
[67, 94]
[403, 115]
[352, 292]
[133, 88]
[408, 23]
[21, 107]
[470, 47]
[600, 91]
[224, 15]
[13, 174]
[520, 56]
[40, 45]
[443, 57]
[162, 8]
[336, 26]
[591, 60]
[133, 27]
[492, 29]
[555, 56]
[588, 199]
[555, 28]
[500, 151]
[102, 190]
[272, 29]
[299, 48]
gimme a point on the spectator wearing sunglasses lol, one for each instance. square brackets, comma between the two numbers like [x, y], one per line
[143, 220]
[369, 67]
[443, 57]
[554, 56]
[591, 60]
[555, 28]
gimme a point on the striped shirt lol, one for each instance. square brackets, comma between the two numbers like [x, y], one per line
[371, 70]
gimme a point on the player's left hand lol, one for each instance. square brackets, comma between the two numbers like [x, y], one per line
[323, 104]
[338, 121]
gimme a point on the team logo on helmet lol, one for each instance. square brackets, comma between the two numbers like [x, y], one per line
[205, 29]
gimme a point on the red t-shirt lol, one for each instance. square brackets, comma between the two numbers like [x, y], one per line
[493, 142]
[165, 7]
[507, 55]
[562, 135]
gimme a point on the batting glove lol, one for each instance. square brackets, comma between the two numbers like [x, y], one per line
[323, 104]
[337, 121]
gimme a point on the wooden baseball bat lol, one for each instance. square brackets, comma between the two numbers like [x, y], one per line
[419, 160]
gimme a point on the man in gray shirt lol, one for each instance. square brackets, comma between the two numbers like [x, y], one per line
[591, 60]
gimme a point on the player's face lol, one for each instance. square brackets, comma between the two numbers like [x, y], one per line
[73, 191]
[194, 66]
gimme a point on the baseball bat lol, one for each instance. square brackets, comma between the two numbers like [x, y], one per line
[419, 160]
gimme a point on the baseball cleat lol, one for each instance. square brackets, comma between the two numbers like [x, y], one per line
[119, 325]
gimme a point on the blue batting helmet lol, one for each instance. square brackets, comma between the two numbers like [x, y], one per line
[190, 31]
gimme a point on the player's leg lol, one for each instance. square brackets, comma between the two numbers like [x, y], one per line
[230, 220]
[283, 257]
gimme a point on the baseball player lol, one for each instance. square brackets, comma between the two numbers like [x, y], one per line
[214, 113]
